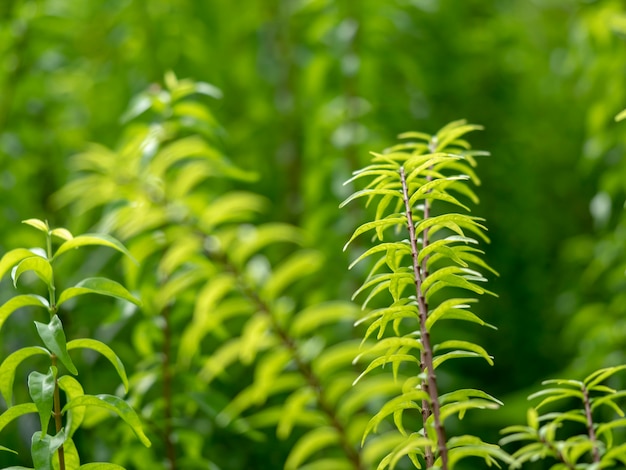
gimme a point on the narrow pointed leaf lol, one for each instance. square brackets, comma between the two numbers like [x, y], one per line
[311, 443]
[15, 412]
[384, 223]
[106, 351]
[75, 416]
[40, 266]
[53, 337]
[98, 285]
[13, 257]
[116, 405]
[20, 301]
[92, 239]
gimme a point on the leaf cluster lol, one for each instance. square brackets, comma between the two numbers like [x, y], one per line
[580, 437]
[58, 448]
[420, 268]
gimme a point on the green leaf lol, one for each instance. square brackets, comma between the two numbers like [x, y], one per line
[53, 337]
[9, 367]
[62, 233]
[402, 247]
[453, 309]
[411, 400]
[601, 375]
[236, 206]
[460, 347]
[326, 464]
[116, 405]
[372, 192]
[6, 449]
[43, 448]
[40, 266]
[38, 224]
[13, 257]
[312, 318]
[98, 285]
[41, 389]
[377, 224]
[15, 412]
[20, 301]
[460, 408]
[410, 446]
[310, 444]
[621, 116]
[72, 460]
[91, 239]
[294, 405]
[533, 418]
[106, 351]
[75, 416]
[100, 466]
[300, 264]
[461, 447]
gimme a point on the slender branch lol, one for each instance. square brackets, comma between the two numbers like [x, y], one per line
[429, 384]
[590, 429]
[309, 375]
[559, 455]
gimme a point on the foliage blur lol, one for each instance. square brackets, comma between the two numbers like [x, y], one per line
[311, 86]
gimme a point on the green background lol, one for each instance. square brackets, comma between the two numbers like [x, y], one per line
[310, 87]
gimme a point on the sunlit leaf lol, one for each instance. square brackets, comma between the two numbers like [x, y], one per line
[114, 404]
[38, 224]
[98, 285]
[53, 337]
[308, 445]
[11, 258]
[75, 416]
[91, 239]
[105, 350]
[62, 233]
[40, 266]
[15, 412]
[19, 301]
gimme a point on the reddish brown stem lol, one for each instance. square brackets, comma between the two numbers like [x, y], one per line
[305, 370]
[590, 430]
[429, 385]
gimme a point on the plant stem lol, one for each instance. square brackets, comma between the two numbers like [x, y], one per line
[429, 384]
[558, 453]
[590, 430]
[57, 414]
[305, 370]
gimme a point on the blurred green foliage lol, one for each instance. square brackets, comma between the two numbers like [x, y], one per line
[309, 86]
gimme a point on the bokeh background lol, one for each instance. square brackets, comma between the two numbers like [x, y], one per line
[311, 86]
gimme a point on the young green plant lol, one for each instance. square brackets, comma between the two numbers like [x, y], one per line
[57, 449]
[588, 442]
[432, 255]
